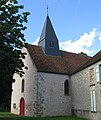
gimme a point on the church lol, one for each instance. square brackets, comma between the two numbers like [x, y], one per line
[57, 83]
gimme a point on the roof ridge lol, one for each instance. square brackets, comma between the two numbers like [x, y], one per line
[75, 53]
[65, 52]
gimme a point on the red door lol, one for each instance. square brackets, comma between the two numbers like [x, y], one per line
[22, 107]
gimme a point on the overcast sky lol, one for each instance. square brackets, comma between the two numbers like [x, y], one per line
[77, 23]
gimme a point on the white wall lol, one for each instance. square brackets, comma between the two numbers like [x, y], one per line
[29, 92]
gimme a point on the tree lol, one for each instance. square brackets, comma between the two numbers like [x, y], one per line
[82, 53]
[11, 42]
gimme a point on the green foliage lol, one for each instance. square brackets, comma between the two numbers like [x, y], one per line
[11, 42]
[82, 53]
[4, 107]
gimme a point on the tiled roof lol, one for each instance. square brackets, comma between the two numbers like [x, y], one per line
[93, 60]
[64, 64]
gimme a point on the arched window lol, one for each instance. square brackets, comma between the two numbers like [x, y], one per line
[66, 88]
[23, 84]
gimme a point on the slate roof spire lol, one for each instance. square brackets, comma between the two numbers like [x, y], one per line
[48, 39]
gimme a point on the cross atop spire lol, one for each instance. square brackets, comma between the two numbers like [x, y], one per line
[47, 9]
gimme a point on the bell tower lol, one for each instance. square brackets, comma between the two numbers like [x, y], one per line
[48, 39]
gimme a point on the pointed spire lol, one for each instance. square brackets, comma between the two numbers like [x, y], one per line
[48, 31]
[48, 39]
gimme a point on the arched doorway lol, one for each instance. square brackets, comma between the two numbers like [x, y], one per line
[22, 107]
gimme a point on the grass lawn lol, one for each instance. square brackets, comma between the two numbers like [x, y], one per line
[9, 116]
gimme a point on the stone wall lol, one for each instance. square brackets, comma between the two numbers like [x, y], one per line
[51, 96]
[82, 84]
[80, 93]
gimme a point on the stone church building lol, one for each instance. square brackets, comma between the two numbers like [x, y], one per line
[57, 83]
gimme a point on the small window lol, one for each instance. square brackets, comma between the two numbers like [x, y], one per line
[66, 88]
[14, 105]
[52, 44]
[97, 74]
[93, 101]
[23, 84]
